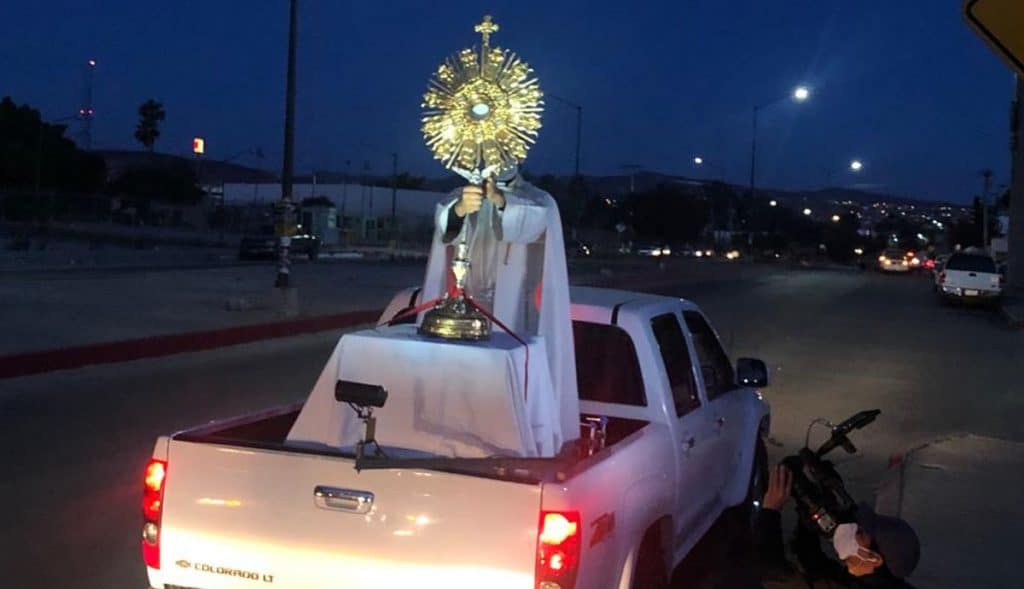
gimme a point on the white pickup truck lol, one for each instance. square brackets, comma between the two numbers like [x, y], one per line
[672, 436]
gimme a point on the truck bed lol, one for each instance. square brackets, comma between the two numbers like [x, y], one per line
[268, 430]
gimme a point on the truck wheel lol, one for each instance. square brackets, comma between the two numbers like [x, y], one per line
[758, 482]
[650, 566]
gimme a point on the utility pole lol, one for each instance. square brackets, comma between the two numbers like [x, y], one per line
[986, 182]
[1015, 238]
[394, 196]
[753, 153]
[287, 206]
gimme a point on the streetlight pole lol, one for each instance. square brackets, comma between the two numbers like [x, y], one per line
[579, 125]
[287, 207]
[394, 197]
[986, 183]
[800, 94]
[753, 152]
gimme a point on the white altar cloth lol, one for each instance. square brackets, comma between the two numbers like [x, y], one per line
[446, 398]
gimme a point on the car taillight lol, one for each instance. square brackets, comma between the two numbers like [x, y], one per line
[152, 508]
[558, 549]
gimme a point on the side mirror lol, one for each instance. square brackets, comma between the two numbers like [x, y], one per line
[751, 372]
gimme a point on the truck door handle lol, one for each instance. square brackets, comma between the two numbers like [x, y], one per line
[342, 499]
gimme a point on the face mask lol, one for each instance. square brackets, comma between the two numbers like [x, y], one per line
[844, 539]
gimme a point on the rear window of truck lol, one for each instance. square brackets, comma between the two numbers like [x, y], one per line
[607, 368]
[971, 264]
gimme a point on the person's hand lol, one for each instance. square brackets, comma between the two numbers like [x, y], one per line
[470, 201]
[780, 481]
[497, 197]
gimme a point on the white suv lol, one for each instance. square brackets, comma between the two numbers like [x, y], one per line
[970, 277]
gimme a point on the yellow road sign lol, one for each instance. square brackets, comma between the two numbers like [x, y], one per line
[1000, 23]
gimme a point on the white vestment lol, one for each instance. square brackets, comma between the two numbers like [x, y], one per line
[510, 253]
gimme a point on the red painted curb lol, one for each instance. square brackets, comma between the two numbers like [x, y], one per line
[165, 345]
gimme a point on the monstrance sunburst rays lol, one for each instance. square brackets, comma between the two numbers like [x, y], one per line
[482, 108]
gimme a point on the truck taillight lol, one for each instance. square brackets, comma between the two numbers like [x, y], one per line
[152, 508]
[558, 549]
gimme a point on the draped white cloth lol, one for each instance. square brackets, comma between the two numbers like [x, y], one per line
[511, 252]
[453, 399]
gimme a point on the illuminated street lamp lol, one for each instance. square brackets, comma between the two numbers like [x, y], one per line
[856, 165]
[699, 161]
[773, 203]
[835, 218]
[800, 94]
[807, 212]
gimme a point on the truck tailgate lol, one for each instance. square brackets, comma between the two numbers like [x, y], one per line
[241, 517]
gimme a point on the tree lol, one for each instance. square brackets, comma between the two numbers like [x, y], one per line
[151, 113]
[36, 154]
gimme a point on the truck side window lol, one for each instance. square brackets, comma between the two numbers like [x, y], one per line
[676, 357]
[607, 368]
[714, 362]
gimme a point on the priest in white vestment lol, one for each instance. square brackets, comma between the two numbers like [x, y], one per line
[517, 271]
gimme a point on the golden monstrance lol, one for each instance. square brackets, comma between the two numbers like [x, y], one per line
[481, 113]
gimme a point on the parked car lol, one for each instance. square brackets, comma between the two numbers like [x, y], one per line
[936, 268]
[264, 245]
[672, 435]
[971, 278]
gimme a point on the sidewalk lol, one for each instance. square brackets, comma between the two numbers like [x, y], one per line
[59, 320]
[1013, 310]
[961, 495]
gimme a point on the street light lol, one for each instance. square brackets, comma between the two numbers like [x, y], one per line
[773, 203]
[715, 168]
[800, 94]
[835, 218]
[856, 165]
[807, 212]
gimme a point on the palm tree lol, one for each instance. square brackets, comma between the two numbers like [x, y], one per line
[147, 131]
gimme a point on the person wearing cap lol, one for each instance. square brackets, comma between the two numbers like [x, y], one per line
[876, 551]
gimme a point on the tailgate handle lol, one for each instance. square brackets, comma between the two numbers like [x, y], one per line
[344, 499]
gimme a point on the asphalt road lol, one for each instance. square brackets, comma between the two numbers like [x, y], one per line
[72, 444]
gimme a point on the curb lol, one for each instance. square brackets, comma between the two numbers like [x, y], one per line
[39, 362]
[165, 345]
[1014, 315]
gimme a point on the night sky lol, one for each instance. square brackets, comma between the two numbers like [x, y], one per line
[902, 85]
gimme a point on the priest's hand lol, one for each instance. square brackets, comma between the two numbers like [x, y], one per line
[493, 194]
[470, 201]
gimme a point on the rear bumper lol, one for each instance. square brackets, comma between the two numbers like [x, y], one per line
[969, 294]
[893, 268]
